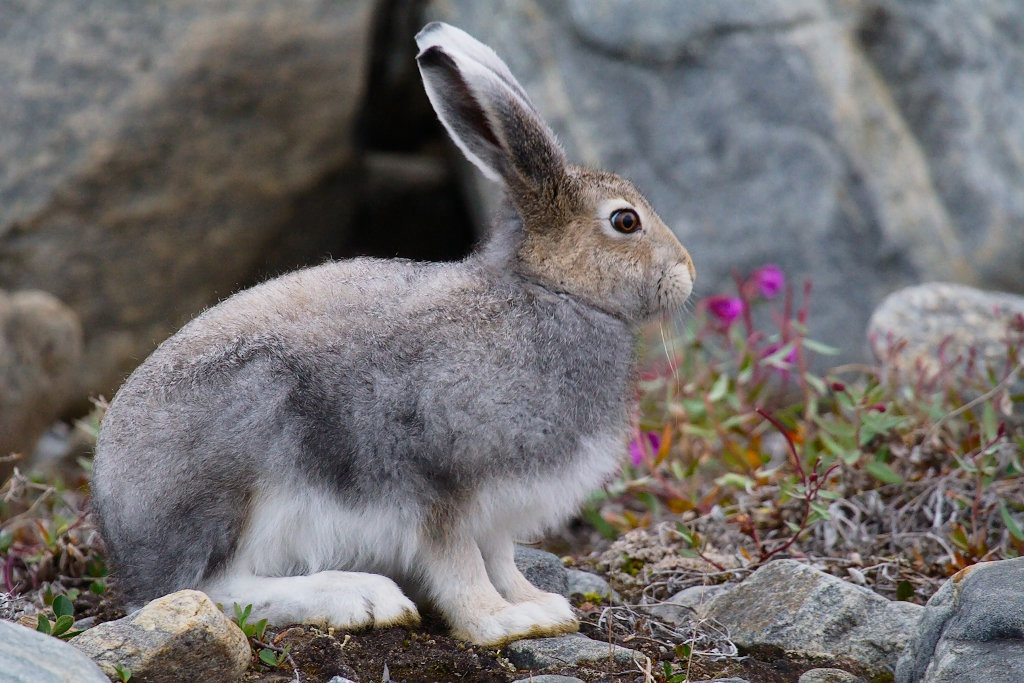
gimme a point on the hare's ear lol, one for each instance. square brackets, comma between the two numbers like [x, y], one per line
[485, 110]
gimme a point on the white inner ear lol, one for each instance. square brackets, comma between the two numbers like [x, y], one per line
[607, 207]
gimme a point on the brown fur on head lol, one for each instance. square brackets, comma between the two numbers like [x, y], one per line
[570, 242]
[570, 245]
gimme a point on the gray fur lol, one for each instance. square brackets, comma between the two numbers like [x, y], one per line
[389, 382]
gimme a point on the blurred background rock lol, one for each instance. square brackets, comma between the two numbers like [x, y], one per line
[156, 157]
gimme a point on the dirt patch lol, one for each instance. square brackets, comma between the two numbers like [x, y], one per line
[409, 656]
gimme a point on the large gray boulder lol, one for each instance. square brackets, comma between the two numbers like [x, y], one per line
[972, 629]
[865, 145]
[153, 152]
[795, 607]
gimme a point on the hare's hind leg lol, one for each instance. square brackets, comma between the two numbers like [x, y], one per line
[499, 558]
[458, 582]
[328, 598]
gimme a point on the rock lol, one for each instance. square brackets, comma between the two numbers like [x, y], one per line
[585, 583]
[155, 151]
[570, 650]
[12, 607]
[800, 133]
[829, 676]
[549, 678]
[27, 656]
[340, 679]
[684, 605]
[929, 330]
[797, 608]
[179, 637]
[543, 569]
[971, 630]
[40, 349]
[952, 70]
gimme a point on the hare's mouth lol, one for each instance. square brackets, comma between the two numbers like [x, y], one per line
[674, 287]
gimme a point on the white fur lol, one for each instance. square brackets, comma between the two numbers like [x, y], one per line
[347, 600]
[298, 536]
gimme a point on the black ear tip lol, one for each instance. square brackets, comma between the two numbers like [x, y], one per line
[435, 56]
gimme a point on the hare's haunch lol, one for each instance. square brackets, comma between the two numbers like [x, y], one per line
[313, 443]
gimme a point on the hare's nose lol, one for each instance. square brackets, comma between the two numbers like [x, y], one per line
[689, 264]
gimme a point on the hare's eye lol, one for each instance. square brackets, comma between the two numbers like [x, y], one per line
[625, 220]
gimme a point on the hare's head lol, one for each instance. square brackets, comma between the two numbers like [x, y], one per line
[586, 233]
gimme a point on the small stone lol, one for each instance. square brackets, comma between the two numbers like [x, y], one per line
[27, 656]
[543, 569]
[340, 679]
[585, 583]
[931, 330]
[549, 678]
[570, 650]
[179, 637]
[829, 676]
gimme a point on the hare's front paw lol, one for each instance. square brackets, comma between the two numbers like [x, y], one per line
[357, 600]
[329, 598]
[550, 615]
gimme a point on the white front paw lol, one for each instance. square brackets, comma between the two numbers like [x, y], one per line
[357, 600]
[533, 619]
[556, 607]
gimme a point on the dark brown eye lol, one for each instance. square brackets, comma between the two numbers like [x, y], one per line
[625, 220]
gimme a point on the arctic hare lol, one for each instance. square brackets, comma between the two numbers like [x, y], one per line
[310, 444]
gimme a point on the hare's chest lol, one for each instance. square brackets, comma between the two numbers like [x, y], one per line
[527, 506]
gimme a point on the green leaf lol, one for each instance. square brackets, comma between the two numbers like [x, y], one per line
[62, 606]
[904, 590]
[601, 525]
[778, 358]
[735, 480]
[242, 614]
[43, 624]
[989, 422]
[816, 383]
[261, 627]
[1011, 524]
[6, 539]
[819, 347]
[719, 389]
[123, 672]
[820, 510]
[840, 430]
[882, 472]
[875, 423]
[648, 499]
[63, 623]
[269, 658]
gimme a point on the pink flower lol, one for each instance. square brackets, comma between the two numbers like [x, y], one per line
[769, 280]
[644, 445]
[725, 308]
